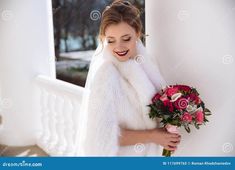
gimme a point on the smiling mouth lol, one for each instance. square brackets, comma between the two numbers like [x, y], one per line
[122, 53]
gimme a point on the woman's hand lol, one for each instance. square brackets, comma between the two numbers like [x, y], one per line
[159, 136]
[169, 141]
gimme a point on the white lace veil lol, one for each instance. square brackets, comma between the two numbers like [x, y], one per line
[82, 118]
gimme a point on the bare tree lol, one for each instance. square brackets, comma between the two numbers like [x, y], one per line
[72, 18]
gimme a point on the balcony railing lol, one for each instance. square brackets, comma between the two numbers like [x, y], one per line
[59, 103]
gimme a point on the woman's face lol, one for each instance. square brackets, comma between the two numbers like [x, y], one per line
[121, 40]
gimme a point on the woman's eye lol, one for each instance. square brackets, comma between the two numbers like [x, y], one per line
[110, 42]
[127, 39]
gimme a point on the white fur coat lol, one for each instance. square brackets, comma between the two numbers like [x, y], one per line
[118, 97]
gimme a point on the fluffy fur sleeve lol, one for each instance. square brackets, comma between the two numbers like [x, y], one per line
[100, 132]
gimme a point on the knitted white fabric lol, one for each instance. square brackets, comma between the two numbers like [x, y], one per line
[116, 96]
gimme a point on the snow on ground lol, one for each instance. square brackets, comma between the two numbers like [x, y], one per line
[83, 55]
[78, 59]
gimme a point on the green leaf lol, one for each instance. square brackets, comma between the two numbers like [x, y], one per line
[166, 116]
[197, 126]
[206, 120]
[207, 110]
[203, 105]
[187, 128]
[195, 91]
[175, 122]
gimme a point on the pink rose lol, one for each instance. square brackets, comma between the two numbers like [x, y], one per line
[186, 117]
[199, 117]
[172, 90]
[181, 103]
[156, 97]
[164, 97]
[172, 128]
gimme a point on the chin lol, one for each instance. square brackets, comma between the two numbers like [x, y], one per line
[122, 59]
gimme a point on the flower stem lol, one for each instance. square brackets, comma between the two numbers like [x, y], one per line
[166, 153]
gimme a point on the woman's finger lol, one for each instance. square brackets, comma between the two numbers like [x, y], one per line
[170, 148]
[173, 144]
[175, 139]
[172, 135]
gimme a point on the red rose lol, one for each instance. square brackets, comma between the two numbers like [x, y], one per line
[171, 107]
[199, 117]
[194, 97]
[165, 102]
[156, 97]
[198, 100]
[172, 90]
[187, 97]
[186, 117]
[168, 104]
[181, 103]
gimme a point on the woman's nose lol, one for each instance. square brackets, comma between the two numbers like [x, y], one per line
[119, 47]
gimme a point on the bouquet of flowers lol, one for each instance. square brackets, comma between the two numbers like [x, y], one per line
[178, 105]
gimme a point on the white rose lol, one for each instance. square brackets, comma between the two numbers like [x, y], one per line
[191, 108]
[175, 96]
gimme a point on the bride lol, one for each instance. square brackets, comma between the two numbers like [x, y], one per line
[122, 79]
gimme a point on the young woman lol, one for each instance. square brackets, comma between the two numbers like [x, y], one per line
[121, 81]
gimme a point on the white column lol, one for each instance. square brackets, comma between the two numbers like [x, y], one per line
[26, 50]
[193, 41]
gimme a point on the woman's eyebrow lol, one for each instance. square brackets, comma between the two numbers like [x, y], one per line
[126, 35]
[110, 37]
[121, 36]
